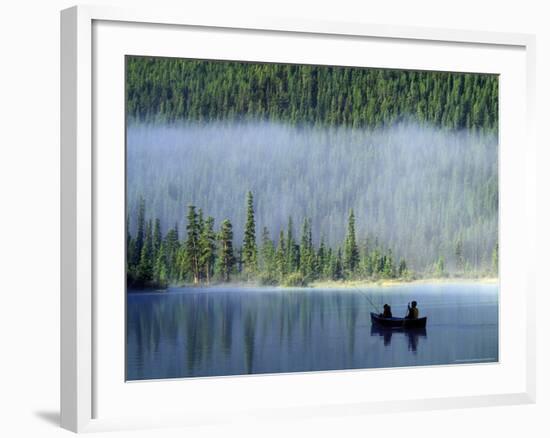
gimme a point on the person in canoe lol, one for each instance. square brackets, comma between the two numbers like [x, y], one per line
[387, 312]
[412, 311]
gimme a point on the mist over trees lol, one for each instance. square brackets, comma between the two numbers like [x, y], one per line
[206, 256]
[419, 190]
[288, 173]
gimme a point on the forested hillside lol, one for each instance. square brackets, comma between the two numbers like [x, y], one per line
[170, 89]
[413, 154]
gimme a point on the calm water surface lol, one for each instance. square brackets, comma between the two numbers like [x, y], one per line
[192, 332]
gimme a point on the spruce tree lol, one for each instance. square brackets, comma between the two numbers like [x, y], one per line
[140, 233]
[145, 266]
[227, 258]
[291, 248]
[402, 270]
[338, 273]
[267, 259]
[281, 257]
[130, 258]
[306, 252]
[389, 271]
[321, 259]
[174, 269]
[207, 244]
[157, 237]
[249, 250]
[351, 250]
[160, 269]
[192, 249]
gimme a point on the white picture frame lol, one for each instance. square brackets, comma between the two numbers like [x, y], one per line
[85, 377]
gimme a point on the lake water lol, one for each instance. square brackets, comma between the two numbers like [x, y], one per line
[192, 332]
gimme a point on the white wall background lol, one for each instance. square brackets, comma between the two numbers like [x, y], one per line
[29, 214]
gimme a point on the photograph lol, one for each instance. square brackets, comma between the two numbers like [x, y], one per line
[291, 218]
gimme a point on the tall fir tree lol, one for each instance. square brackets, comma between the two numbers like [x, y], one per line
[351, 250]
[160, 275]
[267, 253]
[140, 233]
[192, 248]
[306, 252]
[145, 266]
[291, 252]
[207, 244]
[226, 255]
[281, 257]
[157, 237]
[249, 249]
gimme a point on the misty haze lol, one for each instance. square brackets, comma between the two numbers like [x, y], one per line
[416, 189]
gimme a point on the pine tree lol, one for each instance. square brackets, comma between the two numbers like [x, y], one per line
[439, 269]
[145, 266]
[321, 259]
[157, 237]
[175, 270]
[130, 248]
[351, 250]
[306, 252]
[338, 266]
[207, 244]
[267, 253]
[160, 269]
[249, 250]
[281, 257]
[226, 256]
[192, 248]
[402, 270]
[291, 262]
[389, 271]
[140, 234]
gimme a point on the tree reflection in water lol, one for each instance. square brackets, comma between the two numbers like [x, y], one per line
[413, 335]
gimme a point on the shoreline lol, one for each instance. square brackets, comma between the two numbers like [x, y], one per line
[396, 282]
[330, 284]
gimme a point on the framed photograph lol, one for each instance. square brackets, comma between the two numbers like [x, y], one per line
[289, 219]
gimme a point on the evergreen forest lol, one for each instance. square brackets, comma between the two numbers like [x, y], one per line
[289, 174]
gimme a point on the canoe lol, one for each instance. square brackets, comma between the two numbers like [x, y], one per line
[398, 322]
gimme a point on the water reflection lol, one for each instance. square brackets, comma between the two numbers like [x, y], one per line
[412, 335]
[210, 332]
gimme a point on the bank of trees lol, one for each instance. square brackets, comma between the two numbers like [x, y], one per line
[171, 89]
[208, 254]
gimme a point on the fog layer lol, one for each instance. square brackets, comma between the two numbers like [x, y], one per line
[416, 189]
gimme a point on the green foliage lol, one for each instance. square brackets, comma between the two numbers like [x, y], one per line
[207, 254]
[268, 259]
[296, 279]
[249, 250]
[170, 89]
[192, 248]
[227, 257]
[351, 250]
[439, 268]
[417, 190]
[207, 245]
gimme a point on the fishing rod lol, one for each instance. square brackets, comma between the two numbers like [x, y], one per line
[367, 297]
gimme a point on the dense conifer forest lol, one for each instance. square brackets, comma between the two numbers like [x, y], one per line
[170, 89]
[286, 174]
